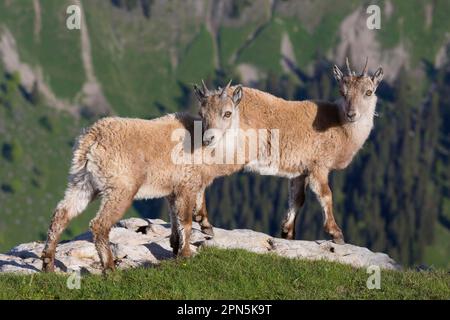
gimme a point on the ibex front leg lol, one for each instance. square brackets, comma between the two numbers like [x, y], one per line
[296, 200]
[201, 215]
[318, 182]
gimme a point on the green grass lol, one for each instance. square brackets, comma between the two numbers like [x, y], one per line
[130, 62]
[232, 274]
[231, 38]
[306, 44]
[264, 50]
[309, 44]
[407, 25]
[55, 49]
[33, 180]
[438, 254]
[133, 63]
[197, 62]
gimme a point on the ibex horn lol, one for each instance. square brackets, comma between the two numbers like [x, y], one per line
[226, 88]
[205, 88]
[349, 71]
[364, 72]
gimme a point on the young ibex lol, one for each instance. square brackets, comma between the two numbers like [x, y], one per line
[118, 160]
[315, 137]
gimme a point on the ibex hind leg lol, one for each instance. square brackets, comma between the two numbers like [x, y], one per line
[113, 206]
[76, 199]
[296, 200]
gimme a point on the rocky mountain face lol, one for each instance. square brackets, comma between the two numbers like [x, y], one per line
[139, 58]
[139, 242]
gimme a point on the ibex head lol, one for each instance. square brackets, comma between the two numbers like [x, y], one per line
[358, 91]
[218, 110]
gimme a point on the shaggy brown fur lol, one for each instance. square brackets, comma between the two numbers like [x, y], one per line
[118, 160]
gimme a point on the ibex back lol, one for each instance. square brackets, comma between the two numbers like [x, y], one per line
[315, 137]
[118, 160]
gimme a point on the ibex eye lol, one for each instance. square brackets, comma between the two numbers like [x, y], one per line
[227, 114]
[369, 92]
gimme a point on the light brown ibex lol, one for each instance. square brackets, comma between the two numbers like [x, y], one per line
[120, 159]
[315, 137]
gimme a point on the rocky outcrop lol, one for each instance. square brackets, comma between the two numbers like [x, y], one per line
[139, 242]
[357, 42]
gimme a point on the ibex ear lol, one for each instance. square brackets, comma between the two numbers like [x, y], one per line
[237, 95]
[377, 77]
[199, 93]
[338, 75]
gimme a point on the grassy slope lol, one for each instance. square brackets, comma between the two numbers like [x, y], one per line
[56, 49]
[127, 62]
[131, 61]
[231, 38]
[38, 174]
[264, 51]
[438, 254]
[197, 59]
[233, 274]
[407, 25]
[306, 44]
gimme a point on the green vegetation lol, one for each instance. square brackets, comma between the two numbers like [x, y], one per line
[309, 44]
[231, 38]
[393, 198]
[54, 48]
[264, 51]
[397, 179]
[35, 146]
[197, 62]
[233, 274]
[422, 33]
[134, 62]
[438, 253]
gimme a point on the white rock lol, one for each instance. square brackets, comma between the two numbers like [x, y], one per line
[240, 239]
[139, 242]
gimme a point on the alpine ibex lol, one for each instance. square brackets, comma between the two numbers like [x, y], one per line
[315, 137]
[118, 160]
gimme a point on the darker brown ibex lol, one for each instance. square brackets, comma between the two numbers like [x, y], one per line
[315, 137]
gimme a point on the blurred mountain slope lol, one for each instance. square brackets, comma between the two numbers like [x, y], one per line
[145, 55]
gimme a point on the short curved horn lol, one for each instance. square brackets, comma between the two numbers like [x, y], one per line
[364, 72]
[349, 71]
[205, 88]
[224, 91]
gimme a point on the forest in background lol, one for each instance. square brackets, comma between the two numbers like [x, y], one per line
[394, 197]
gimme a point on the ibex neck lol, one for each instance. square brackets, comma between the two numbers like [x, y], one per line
[359, 131]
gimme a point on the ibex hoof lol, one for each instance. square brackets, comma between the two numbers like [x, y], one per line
[108, 270]
[287, 234]
[208, 231]
[339, 240]
[185, 253]
[48, 264]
